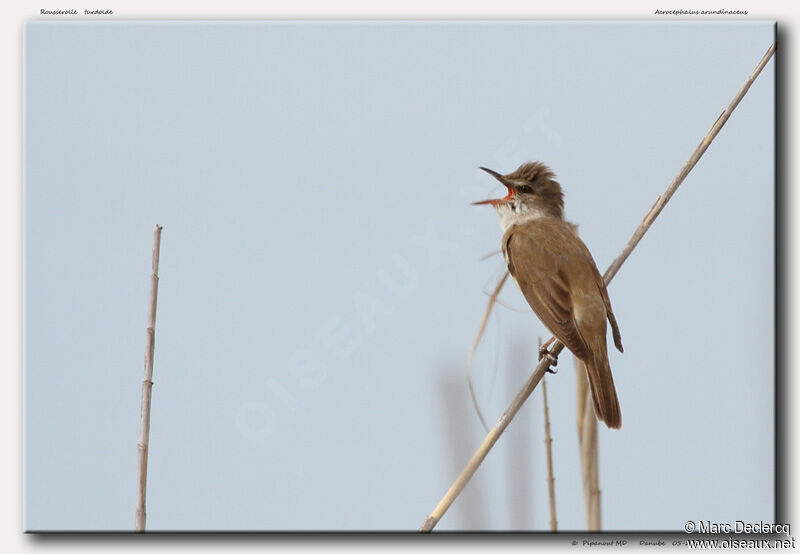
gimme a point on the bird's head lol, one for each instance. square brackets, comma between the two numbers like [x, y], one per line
[532, 191]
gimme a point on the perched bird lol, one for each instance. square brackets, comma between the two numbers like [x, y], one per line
[558, 277]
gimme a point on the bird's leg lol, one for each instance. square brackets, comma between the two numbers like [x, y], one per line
[543, 351]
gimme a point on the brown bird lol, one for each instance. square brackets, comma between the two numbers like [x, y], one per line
[558, 276]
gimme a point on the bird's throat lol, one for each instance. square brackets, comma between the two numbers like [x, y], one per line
[516, 213]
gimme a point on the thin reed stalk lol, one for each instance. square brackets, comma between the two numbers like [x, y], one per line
[478, 336]
[587, 444]
[548, 444]
[147, 388]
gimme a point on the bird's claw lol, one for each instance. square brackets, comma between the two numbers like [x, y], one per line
[545, 353]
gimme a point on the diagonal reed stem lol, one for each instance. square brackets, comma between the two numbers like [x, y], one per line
[494, 434]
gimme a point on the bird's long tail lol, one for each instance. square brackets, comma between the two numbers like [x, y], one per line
[601, 382]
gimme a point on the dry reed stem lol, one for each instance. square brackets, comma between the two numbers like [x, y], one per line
[548, 443]
[662, 200]
[587, 444]
[476, 342]
[488, 442]
[491, 437]
[147, 388]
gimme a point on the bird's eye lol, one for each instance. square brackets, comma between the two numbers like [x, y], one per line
[525, 189]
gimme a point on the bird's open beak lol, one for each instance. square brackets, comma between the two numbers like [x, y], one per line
[496, 201]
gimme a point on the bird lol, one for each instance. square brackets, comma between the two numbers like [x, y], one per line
[558, 276]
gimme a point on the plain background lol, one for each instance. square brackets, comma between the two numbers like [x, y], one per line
[177, 125]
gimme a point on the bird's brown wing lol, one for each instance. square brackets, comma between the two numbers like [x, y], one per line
[601, 286]
[610, 314]
[540, 274]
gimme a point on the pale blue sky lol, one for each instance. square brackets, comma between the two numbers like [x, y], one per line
[321, 278]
